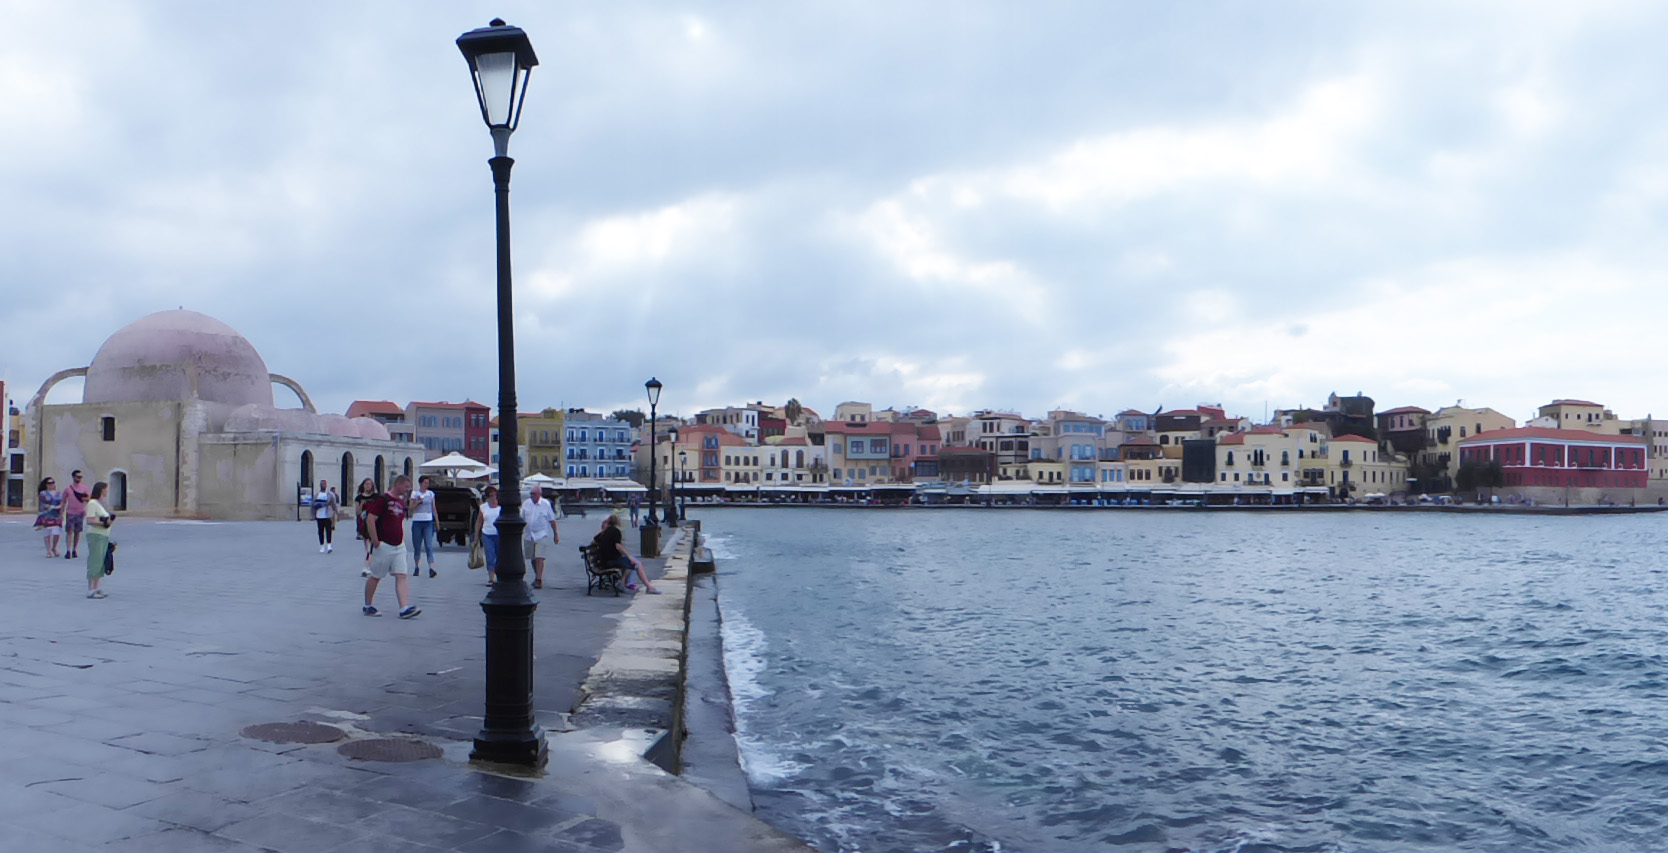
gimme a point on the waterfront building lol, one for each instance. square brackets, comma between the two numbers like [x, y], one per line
[178, 415]
[794, 461]
[1008, 435]
[444, 428]
[522, 456]
[1358, 467]
[740, 420]
[1655, 434]
[1403, 429]
[1176, 426]
[1574, 465]
[852, 412]
[859, 452]
[541, 436]
[387, 413]
[958, 431]
[964, 464]
[1444, 429]
[1577, 414]
[1349, 415]
[1073, 442]
[596, 445]
[915, 445]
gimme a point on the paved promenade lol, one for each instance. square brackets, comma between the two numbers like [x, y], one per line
[120, 718]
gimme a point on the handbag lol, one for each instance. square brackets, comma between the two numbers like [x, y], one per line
[477, 554]
[110, 559]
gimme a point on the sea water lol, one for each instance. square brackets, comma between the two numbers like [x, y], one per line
[1147, 680]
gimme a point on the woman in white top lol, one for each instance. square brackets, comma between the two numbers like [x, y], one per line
[99, 520]
[486, 530]
[421, 507]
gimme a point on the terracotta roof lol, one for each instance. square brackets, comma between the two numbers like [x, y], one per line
[1572, 403]
[1519, 433]
[1231, 439]
[365, 408]
[1139, 441]
[467, 404]
[1356, 439]
[1268, 430]
[1405, 410]
[1130, 412]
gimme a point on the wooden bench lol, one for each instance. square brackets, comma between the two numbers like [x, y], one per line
[599, 576]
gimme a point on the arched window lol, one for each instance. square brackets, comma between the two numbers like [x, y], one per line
[347, 471]
[407, 471]
[307, 468]
[378, 478]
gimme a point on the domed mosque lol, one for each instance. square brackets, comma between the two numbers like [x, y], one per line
[178, 416]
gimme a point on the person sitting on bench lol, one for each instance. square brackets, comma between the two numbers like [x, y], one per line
[610, 550]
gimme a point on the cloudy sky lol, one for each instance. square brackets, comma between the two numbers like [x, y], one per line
[955, 205]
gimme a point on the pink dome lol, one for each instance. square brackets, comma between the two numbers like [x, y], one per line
[153, 359]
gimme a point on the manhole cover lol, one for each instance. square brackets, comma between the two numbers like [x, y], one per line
[294, 733]
[389, 749]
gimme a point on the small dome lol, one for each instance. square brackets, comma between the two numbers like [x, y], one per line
[156, 357]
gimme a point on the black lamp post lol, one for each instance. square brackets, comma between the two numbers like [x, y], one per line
[653, 386]
[500, 60]
[683, 486]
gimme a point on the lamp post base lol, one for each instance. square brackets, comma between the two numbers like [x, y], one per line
[522, 749]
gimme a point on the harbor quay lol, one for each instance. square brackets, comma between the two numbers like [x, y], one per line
[229, 695]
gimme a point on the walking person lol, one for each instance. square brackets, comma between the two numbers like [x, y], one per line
[486, 531]
[422, 525]
[385, 527]
[542, 536]
[326, 506]
[98, 538]
[50, 517]
[609, 546]
[75, 499]
[633, 504]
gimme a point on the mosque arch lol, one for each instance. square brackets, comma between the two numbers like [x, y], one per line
[118, 490]
[347, 469]
[307, 468]
[408, 466]
[381, 473]
[306, 401]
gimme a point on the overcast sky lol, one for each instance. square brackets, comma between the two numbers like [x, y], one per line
[953, 205]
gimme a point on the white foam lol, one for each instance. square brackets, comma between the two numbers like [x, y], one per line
[744, 659]
[719, 546]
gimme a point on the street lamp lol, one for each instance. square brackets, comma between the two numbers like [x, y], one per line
[683, 487]
[653, 386]
[500, 60]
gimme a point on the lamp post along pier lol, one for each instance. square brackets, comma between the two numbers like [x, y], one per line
[651, 532]
[500, 61]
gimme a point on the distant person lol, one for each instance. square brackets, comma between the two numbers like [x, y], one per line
[609, 547]
[542, 535]
[49, 518]
[422, 525]
[75, 499]
[366, 494]
[326, 506]
[99, 520]
[385, 527]
[486, 532]
[635, 506]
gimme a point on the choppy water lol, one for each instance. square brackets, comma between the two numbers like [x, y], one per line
[977, 680]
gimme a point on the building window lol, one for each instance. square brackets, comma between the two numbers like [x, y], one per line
[108, 424]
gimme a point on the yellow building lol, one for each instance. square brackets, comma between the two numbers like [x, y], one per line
[1444, 429]
[541, 434]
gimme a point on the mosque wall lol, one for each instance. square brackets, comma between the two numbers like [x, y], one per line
[253, 476]
[142, 451]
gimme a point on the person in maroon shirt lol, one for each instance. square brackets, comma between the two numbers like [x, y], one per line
[385, 527]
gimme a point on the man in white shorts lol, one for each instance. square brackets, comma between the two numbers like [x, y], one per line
[385, 525]
[542, 537]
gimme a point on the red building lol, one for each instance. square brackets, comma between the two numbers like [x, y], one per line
[1541, 456]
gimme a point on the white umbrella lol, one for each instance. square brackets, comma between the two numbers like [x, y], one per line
[451, 462]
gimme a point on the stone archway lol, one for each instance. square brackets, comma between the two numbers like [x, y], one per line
[381, 473]
[307, 468]
[347, 470]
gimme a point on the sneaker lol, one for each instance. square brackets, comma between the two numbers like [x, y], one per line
[97, 593]
[321, 549]
[369, 610]
[409, 612]
[631, 587]
[329, 548]
[655, 592]
[364, 573]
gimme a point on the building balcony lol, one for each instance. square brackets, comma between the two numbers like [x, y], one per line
[1344, 463]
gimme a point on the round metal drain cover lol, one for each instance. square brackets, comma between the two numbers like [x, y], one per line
[294, 733]
[389, 749]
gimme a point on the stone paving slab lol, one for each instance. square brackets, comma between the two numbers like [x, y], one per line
[120, 718]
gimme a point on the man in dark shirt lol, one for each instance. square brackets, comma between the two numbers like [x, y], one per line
[385, 527]
[609, 545]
